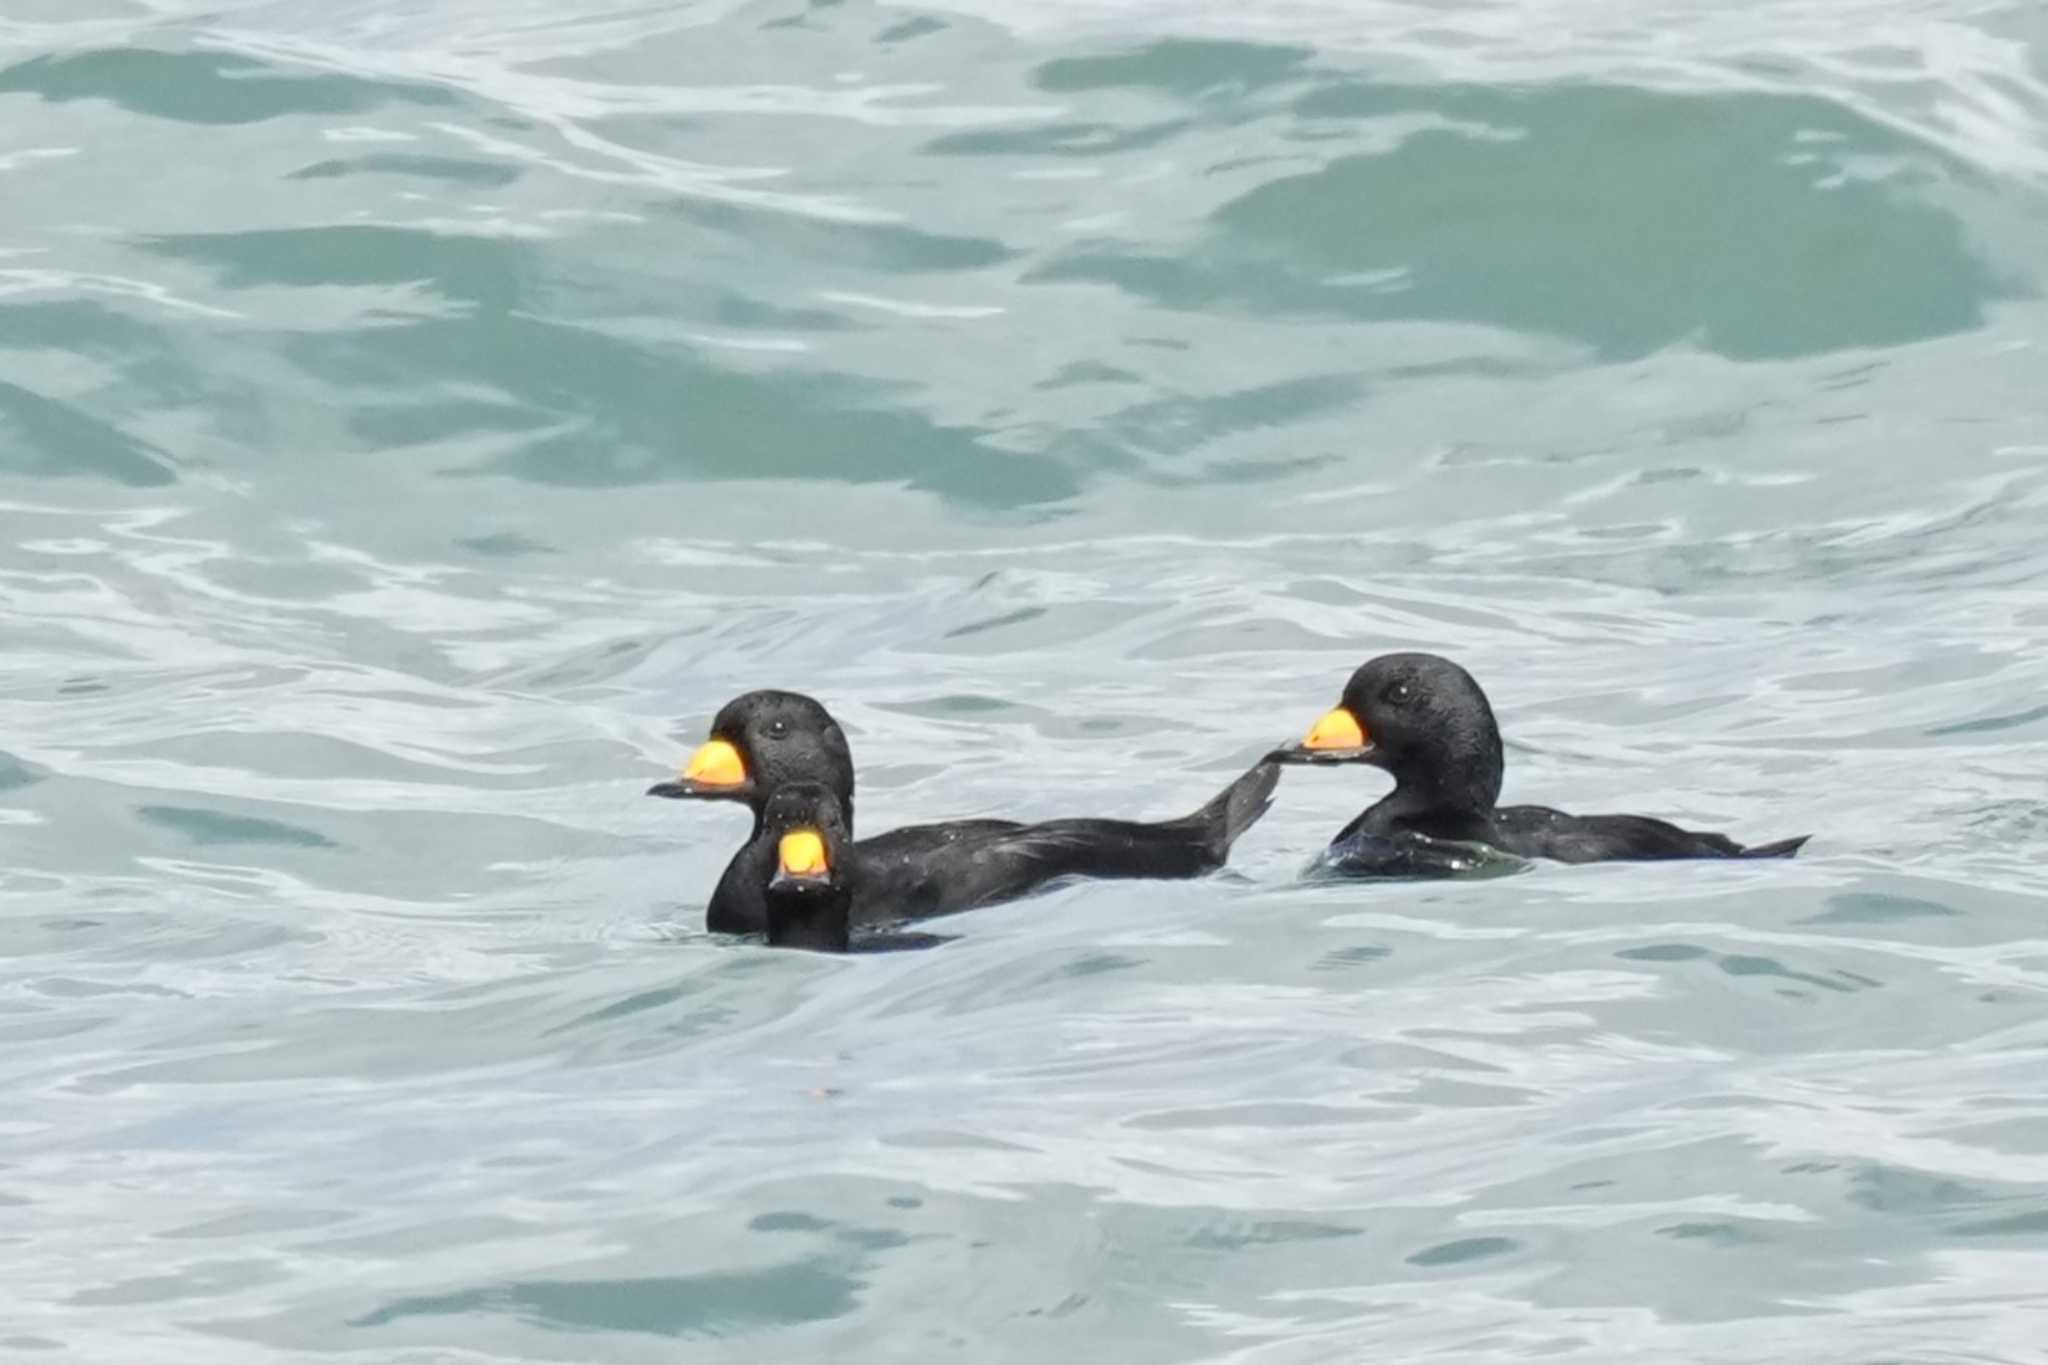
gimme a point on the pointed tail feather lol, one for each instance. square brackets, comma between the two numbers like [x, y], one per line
[1784, 848]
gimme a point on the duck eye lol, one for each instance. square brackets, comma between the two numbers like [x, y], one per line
[778, 728]
[1399, 693]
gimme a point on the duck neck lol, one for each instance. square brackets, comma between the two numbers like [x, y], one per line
[1458, 787]
[815, 920]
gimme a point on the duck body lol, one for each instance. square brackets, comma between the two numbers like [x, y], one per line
[1425, 721]
[925, 870]
[1380, 843]
[772, 739]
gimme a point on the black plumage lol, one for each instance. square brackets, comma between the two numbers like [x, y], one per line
[1426, 722]
[773, 739]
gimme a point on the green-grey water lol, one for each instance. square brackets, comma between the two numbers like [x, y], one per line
[418, 416]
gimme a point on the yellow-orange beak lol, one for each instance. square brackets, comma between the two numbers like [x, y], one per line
[716, 764]
[802, 852]
[1339, 731]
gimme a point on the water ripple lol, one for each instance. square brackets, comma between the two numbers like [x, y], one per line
[415, 420]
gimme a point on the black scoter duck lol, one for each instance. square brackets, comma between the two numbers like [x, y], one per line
[764, 741]
[1423, 719]
[799, 860]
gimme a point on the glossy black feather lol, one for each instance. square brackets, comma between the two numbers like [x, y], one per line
[920, 871]
[1431, 727]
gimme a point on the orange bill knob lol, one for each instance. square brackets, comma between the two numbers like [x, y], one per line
[1337, 731]
[716, 764]
[803, 855]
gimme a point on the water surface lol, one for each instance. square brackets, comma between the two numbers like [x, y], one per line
[417, 417]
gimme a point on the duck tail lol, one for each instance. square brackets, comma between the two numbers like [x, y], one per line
[1236, 808]
[1784, 848]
